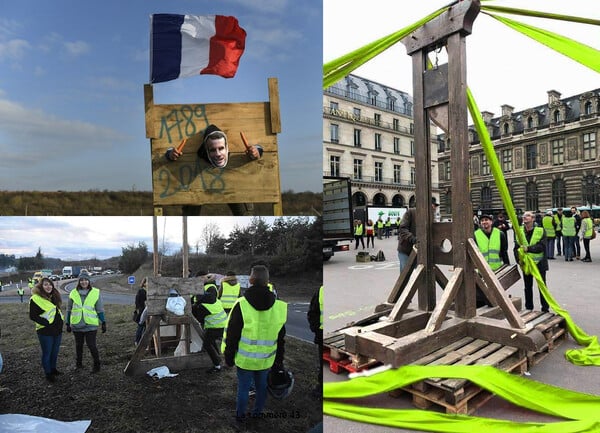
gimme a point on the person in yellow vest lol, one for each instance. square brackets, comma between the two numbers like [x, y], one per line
[558, 219]
[388, 227]
[253, 341]
[31, 285]
[586, 232]
[534, 247]
[315, 322]
[379, 225]
[208, 310]
[549, 225]
[20, 292]
[493, 244]
[45, 310]
[85, 313]
[359, 231]
[229, 291]
[569, 233]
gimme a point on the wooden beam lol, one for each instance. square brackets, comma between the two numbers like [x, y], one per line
[407, 294]
[439, 314]
[499, 331]
[403, 277]
[492, 286]
[274, 105]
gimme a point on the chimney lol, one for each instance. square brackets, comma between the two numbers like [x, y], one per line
[553, 96]
[487, 117]
[507, 110]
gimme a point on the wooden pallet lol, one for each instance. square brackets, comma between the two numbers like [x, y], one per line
[341, 360]
[460, 395]
[553, 328]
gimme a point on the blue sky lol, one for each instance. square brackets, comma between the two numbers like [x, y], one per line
[81, 238]
[71, 88]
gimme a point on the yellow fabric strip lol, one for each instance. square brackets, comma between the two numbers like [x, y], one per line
[537, 14]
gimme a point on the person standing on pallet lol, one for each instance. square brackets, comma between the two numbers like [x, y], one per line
[534, 247]
[208, 310]
[493, 244]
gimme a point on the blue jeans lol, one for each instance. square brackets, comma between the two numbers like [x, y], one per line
[403, 259]
[550, 248]
[50, 346]
[245, 379]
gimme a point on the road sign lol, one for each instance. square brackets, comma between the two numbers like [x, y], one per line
[131, 279]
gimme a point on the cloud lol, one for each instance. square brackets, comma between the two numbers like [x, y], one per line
[264, 6]
[77, 48]
[14, 49]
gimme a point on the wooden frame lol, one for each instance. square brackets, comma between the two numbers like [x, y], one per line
[192, 181]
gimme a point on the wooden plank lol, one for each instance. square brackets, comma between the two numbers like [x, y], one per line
[403, 278]
[439, 313]
[274, 109]
[492, 288]
[140, 350]
[499, 331]
[407, 294]
[148, 110]
[508, 276]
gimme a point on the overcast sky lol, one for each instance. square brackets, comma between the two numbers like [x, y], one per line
[71, 88]
[503, 66]
[79, 238]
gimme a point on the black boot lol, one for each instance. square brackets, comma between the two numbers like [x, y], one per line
[96, 367]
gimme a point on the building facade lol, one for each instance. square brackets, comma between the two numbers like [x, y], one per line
[368, 137]
[548, 155]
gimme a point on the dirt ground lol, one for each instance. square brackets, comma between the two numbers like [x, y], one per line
[194, 401]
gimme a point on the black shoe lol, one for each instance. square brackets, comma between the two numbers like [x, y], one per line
[551, 258]
[50, 377]
[96, 368]
[55, 372]
[215, 369]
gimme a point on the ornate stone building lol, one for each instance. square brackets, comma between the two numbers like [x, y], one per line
[368, 137]
[548, 155]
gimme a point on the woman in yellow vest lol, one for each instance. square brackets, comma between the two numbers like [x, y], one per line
[208, 310]
[253, 341]
[586, 233]
[44, 310]
[85, 313]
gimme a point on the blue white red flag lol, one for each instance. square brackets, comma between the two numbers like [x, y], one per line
[187, 45]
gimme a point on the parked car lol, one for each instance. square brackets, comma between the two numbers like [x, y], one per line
[54, 277]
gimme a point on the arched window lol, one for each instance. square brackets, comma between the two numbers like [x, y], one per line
[529, 122]
[556, 116]
[587, 108]
[591, 189]
[531, 196]
[559, 193]
[398, 200]
[359, 199]
[379, 200]
[412, 202]
[506, 128]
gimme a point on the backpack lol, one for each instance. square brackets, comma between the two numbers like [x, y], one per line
[380, 256]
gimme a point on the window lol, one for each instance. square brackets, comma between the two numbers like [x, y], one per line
[391, 104]
[334, 133]
[412, 128]
[485, 165]
[413, 177]
[334, 165]
[447, 171]
[397, 172]
[356, 137]
[589, 146]
[377, 119]
[558, 152]
[506, 128]
[358, 169]
[587, 108]
[412, 148]
[356, 112]
[531, 154]
[396, 145]
[530, 122]
[559, 193]
[379, 172]
[395, 124]
[556, 116]
[377, 141]
[333, 106]
[373, 99]
[531, 196]
[591, 189]
[507, 160]
[486, 197]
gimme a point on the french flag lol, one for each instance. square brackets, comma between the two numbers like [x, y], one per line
[186, 45]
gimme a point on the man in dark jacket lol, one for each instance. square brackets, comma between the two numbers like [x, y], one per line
[209, 311]
[254, 342]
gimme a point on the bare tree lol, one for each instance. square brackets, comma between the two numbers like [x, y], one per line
[210, 232]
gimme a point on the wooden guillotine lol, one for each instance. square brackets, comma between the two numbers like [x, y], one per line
[192, 181]
[396, 334]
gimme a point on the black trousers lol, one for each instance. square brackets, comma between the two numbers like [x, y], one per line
[528, 280]
[90, 341]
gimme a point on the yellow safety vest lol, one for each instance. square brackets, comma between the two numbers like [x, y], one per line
[49, 310]
[589, 228]
[321, 305]
[490, 247]
[229, 294]
[548, 226]
[258, 342]
[21, 291]
[358, 230]
[87, 311]
[568, 226]
[537, 235]
[217, 317]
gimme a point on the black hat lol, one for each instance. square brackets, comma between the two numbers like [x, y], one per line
[434, 202]
[485, 215]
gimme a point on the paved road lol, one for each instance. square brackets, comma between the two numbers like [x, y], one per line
[353, 289]
[296, 326]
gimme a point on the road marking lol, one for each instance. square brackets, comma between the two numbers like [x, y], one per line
[377, 267]
[349, 313]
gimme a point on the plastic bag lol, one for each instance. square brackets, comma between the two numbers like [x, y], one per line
[176, 305]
